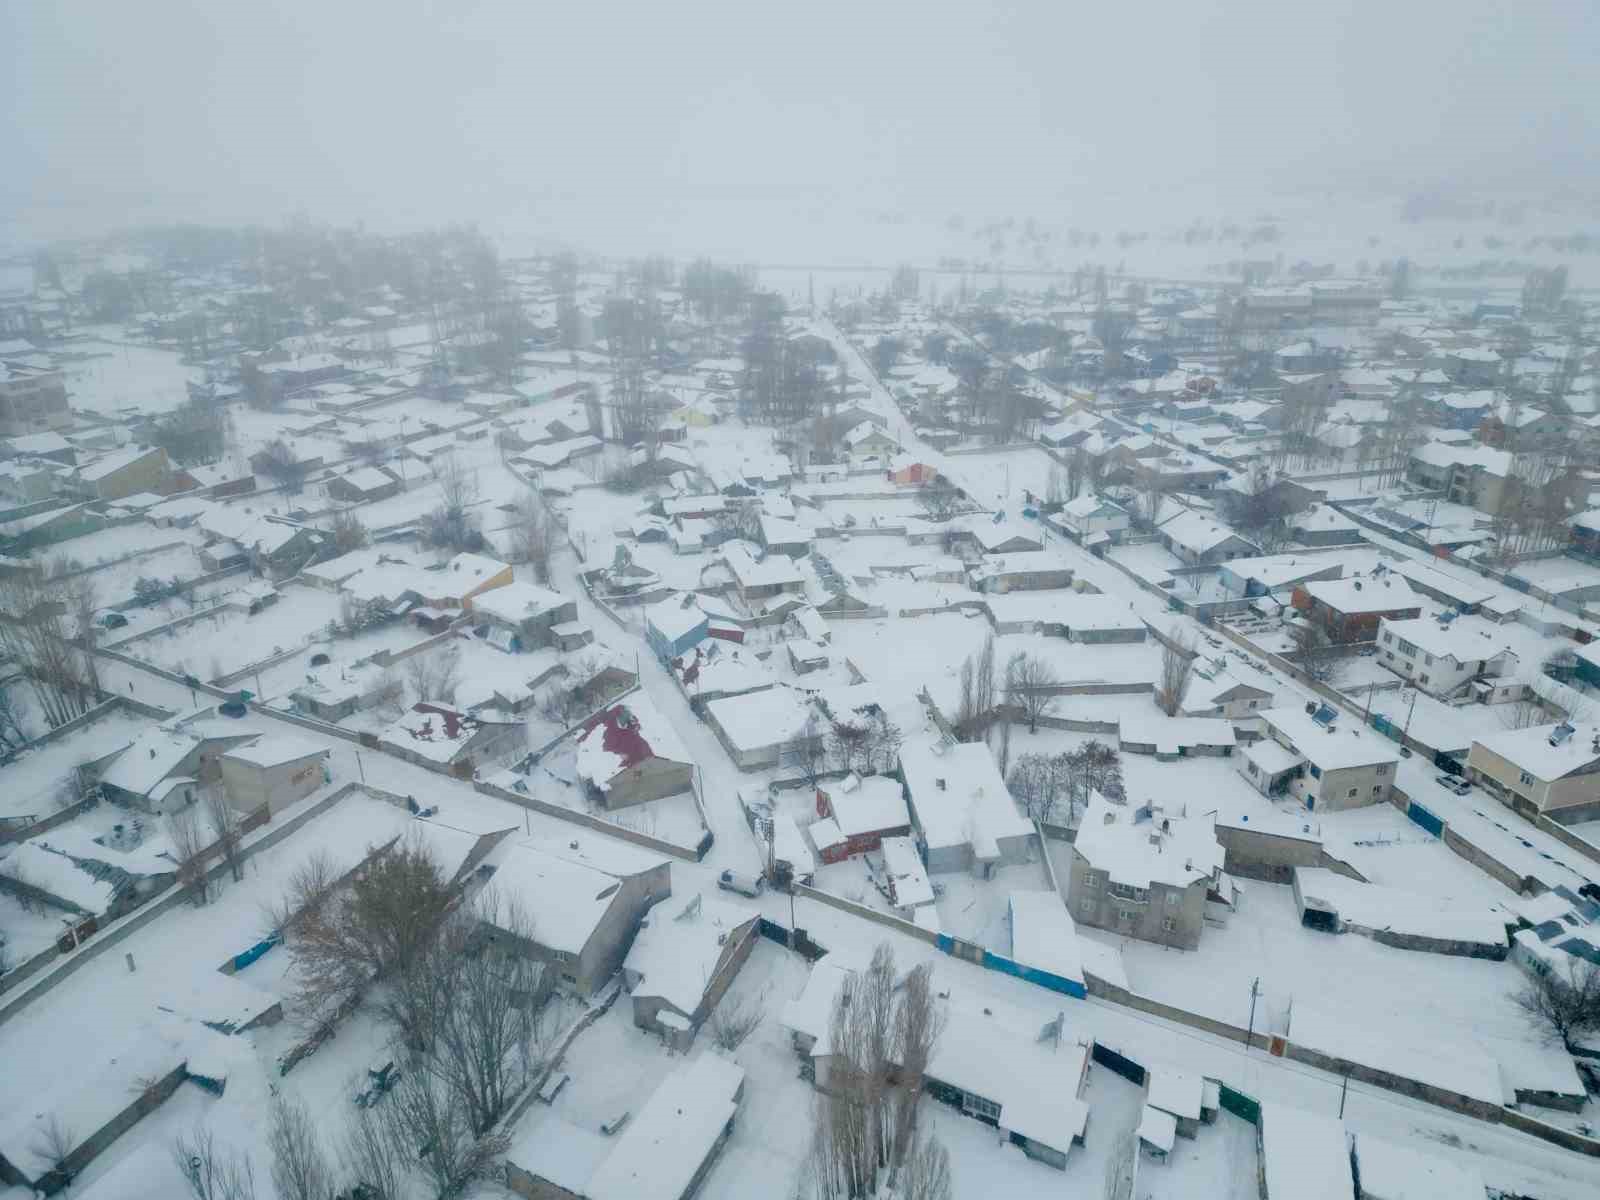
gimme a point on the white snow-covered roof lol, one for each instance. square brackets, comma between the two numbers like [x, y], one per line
[1390, 1171]
[517, 601]
[567, 900]
[662, 1148]
[368, 479]
[150, 759]
[1139, 846]
[1304, 1155]
[1158, 1128]
[1363, 594]
[1417, 913]
[625, 735]
[675, 616]
[1438, 454]
[1331, 747]
[776, 570]
[1196, 532]
[867, 805]
[960, 797]
[1466, 639]
[677, 948]
[909, 878]
[1530, 749]
[757, 719]
[110, 464]
[1177, 1092]
[1044, 935]
[275, 750]
[1171, 734]
[1035, 1087]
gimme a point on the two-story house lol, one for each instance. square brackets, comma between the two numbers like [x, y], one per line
[1144, 872]
[1548, 769]
[1450, 659]
[1324, 765]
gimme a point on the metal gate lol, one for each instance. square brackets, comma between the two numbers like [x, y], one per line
[1425, 818]
[1239, 1104]
[1120, 1063]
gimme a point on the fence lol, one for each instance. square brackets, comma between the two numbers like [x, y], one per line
[174, 896]
[1424, 818]
[574, 817]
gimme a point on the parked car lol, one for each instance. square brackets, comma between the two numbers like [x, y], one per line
[1452, 783]
[737, 881]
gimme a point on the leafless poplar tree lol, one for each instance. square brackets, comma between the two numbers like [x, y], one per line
[212, 1171]
[533, 535]
[1177, 665]
[225, 822]
[299, 1167]
[1563, 1006]
[189, 846]
[33, 632]
[371, 1156]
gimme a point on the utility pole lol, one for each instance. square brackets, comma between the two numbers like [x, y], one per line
[1249, 1036]
[1343, 1091]
[1406, 733]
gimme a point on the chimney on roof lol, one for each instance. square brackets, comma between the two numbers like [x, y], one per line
[1358, 585]
[938, 783]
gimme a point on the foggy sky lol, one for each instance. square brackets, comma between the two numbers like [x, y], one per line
[687, 127]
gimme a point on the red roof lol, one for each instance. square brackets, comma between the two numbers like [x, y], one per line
[623, 740]
[453, 722]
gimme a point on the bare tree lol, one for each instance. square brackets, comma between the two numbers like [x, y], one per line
[299, 1167]
[33, 632]
[1315, 652]
[533, 536]
[1177, 665]
[452, 524]
[370, 1155]
[864, 1123]
[926, 1173]
[1563, 1006]
[435, 674]
[941, 499]
[426, 1121]
[484, 1039]
[226, 823]
[343, 937]
[189, 848]
[54, 1143]
[1038, 784]
[348, 531]
[733, 1020]
[390, 693]
[13, 721]
[807, 750]
[212, 1171]
[1031, 685]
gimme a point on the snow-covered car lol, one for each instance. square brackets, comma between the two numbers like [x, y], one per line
[738, 881]
[1453, 783]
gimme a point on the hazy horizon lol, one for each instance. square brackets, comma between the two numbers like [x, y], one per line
[719, 130]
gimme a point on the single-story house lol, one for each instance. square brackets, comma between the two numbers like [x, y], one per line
[964, 817]
[528, 612]
[682, 962]
[440, 736]
[630, 753]
[676, 625]
[864, 811]
[273, 771]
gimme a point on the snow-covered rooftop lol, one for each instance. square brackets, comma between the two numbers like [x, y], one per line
[567, 900]
[1530, 749]
[679, 944]
[1304, 1156]
[275, 750]
[1331, 747]
[1138, 846]
[624, 736]
[866, 805]
[1044, 935]
[1363, 594]
[960, 797]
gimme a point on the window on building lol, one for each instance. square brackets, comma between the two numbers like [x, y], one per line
[1377, 790]
[1524, 778]
[1383, 769]
[1126, 914]
[977, 1106]
[1424, 677]
[1170, 925]
[1351, 794]
[1407, 648]
[1316, 771]
[1172, 899]
[1428, 658]
[1125, 891]
[1388, 639]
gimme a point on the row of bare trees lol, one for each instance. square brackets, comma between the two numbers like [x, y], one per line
[47, 630]
[1027, 687]
[1054, 786]
[864, 1136]
[452, 979]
